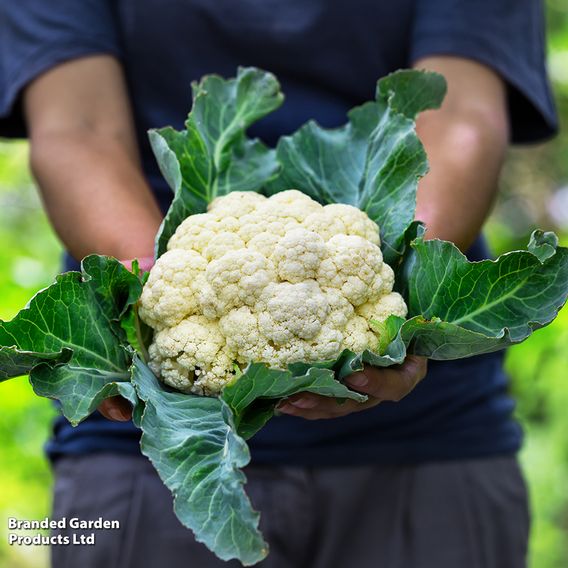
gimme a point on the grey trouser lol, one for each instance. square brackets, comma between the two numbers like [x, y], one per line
[468, 514]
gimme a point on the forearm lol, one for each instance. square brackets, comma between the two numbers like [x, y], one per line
[466, 142]
[455, 197]
[84, 157]
[95, 194]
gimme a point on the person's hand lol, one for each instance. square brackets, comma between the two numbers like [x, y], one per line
[145, 263]
[379, 384]
[116, 407]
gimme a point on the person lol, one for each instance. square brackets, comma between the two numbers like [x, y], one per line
[419, 481]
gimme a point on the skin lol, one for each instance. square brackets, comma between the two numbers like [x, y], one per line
[84, 156]
[466, 141]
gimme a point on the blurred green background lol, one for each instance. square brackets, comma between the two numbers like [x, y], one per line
[534, 193]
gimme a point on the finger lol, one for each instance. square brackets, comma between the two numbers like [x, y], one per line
[390, 383]
[323, 412]
[314, 407]
[116, 408]
[145, 263]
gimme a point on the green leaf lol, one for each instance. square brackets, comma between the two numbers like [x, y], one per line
[405, 264]
[254, 395]
[543, 245]
[441, 340]
[15, 362]
[69, 338]
[387, 330]
[193, 444]
[394, 354]
[410, 93]
[374, 162]
[80, 390]
[213, 156]
[463, 308]
[138, 334]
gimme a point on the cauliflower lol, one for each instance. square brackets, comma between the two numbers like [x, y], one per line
[275, 280]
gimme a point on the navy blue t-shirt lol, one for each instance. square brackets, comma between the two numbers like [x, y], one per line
[328, 56]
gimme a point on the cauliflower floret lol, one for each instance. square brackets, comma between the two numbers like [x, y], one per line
[338, 218]
[286, 311]
[298, 255]
[288, 206]
[326, 345]
[385, 306]
[356, 222]
[265, 243]
[340, 310]
[240, 327]
[221, 243]
[195, 233]
[324, 225]
[277, 280]
[255, 224]
[238, 278]
[358, 336]
[194, 356]
[292, 200]
[169, 370]
[294, 197]
[353, 266]
[291, 351]
[236, 204]
[387, 277]
[170, 293]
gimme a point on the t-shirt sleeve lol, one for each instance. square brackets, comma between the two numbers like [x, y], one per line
[36, 35]
[507, 36]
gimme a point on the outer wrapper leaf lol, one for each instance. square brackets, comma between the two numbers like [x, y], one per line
[193, 443]
[460, 309]
[253, 396]
[69, 338]
[197, 446]
[15, 361]
[212, 156]
[374, 162]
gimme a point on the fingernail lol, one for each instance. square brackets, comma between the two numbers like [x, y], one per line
[303, 403]
[358, 380]
[117, 414]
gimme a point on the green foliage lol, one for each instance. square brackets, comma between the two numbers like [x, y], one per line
[501, 300]
[254, 395]
[212, 156]
[69, 340]
[208, 489]
[197, 445]
[360, 163]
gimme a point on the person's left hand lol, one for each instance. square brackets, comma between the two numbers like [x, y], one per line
[379, 384]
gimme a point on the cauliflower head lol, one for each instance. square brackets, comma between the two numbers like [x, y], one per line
[275, 280]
